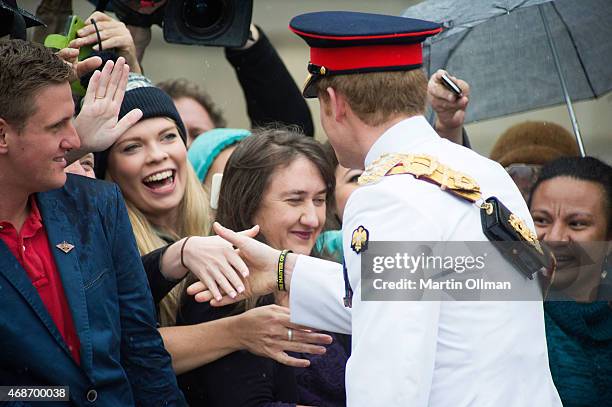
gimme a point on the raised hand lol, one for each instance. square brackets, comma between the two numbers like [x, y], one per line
[450, 109]
[97, 123]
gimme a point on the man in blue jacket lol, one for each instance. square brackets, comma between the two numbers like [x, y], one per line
[75, 306]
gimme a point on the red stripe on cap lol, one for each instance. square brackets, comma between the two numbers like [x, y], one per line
[366, 37]
[369, 56]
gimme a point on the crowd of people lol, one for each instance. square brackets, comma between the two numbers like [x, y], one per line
[122, 289]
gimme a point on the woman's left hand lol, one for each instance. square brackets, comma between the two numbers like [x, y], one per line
[267, 331]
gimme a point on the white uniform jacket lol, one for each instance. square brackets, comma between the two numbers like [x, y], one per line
[429, 353]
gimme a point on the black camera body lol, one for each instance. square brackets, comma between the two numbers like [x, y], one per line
[222, 23]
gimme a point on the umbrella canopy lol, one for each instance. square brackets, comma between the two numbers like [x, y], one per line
[501, 48]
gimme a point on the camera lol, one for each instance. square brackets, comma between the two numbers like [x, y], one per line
[222, 23]
[208, 22]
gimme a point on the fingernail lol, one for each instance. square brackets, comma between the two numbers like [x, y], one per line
[95, 47]
[232, 294]
[80, 32]
[240, 290]
[245, 274]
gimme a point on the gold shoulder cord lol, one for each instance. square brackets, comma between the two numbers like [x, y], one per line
[427, 168]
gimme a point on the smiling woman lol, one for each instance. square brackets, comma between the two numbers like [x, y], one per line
[149, 163]
[282, 181]
[571, 205]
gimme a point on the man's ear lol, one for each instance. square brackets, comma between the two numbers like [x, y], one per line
[5, 129]
[337, 104]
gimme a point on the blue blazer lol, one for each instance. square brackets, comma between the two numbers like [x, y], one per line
[123, 361]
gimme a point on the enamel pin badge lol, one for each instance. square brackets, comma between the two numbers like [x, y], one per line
[359, 240]
[65, 246]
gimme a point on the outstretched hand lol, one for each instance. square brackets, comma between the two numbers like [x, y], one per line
[212, 259]
[97, 124]
[261, 261]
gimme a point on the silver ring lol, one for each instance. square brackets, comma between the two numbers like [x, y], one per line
[289, 334]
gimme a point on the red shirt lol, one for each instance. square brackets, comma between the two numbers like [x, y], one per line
[31, 248]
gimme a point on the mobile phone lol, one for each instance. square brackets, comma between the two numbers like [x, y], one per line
[59, 41]
[73, 24]
[452, 86]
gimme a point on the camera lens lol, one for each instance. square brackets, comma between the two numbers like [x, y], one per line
[204, 15]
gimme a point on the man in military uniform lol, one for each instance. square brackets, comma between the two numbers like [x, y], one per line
[364, 71]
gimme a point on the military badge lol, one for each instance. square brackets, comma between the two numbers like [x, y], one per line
[65, 246]
[359, 240]
[523, 230]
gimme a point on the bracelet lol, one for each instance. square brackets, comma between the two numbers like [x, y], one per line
[93, 21]
[280, 275]
[182, 250]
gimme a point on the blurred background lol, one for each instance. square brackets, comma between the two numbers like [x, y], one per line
[208, 66]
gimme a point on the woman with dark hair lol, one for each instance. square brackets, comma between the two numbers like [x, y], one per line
[281, 181]
[571, 208]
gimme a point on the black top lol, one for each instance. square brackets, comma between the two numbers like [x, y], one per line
[239, 379]
[270, 92]
[159, 285]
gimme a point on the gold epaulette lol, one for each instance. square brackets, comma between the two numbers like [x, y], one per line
[422, 167]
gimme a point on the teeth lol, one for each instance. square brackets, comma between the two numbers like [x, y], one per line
[159, 176]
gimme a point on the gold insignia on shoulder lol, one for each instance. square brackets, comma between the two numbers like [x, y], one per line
[65, 246]
[526, 233]
[379, 168]
[359, 240]
[322, 71]
[425, 167]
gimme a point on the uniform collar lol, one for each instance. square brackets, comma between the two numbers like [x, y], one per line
[402, 138]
